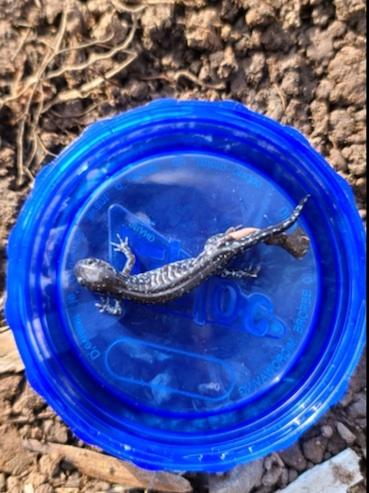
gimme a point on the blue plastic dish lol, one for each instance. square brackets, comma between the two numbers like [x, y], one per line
[233, 370]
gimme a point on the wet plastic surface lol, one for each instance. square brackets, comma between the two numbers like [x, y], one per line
[231, 371]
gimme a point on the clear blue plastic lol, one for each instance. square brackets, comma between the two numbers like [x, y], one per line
[233, 370]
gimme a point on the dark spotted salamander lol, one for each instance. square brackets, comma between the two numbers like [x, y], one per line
[177, 278]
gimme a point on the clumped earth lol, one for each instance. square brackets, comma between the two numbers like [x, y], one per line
[65, 64]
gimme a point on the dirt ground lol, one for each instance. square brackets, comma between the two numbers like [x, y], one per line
[65, 64]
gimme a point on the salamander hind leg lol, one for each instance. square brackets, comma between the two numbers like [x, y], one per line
[123, 247]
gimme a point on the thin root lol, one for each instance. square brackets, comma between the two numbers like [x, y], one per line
[96, 57]
[122, 7]
[77, 115]
[188, 75]
[32, 109]
[281, 97]
[85, 90]
[86, 45]
[21, 44]
[22, 168]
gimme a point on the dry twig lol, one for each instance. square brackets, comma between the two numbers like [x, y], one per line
[107, 468]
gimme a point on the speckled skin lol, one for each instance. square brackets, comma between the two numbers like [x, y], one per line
[177, 278]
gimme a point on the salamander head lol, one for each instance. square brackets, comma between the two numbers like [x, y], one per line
[96, 274]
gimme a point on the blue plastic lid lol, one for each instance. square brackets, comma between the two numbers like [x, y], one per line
[233, 370]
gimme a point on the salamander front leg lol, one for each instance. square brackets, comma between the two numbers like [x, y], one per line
[123, 247]
[106, 306]
[240, 274]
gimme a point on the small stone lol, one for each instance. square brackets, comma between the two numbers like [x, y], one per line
[347, 9]
[155, 21]
[28, 403]
[337, 29]
[254, 68]
[314, 449]
[202, 30]
[323, 90]
[342, 126]
[336, 444]
[336, 475]
[271, 477]
[12, 484]
[28, 488]
[346, 71]
[242, 479]
[345, 433]
[48, 465]
[358, 408]
[223, 63]
[283, 479]
[293, 458]
[14, 459]
[291, 84]
[320, 48]
[59, 433]
[8, 386]
[260, 14]
[337, 160]
[292, 475]
[275, 39]
[226, 32]
[319, 112]
[357, 169]
[327, 431]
